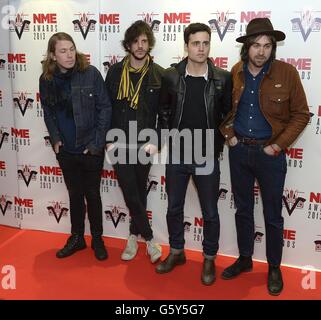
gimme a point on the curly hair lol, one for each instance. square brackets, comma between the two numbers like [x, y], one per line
[138, 28]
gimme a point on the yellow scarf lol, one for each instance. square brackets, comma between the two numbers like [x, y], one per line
[126, 88]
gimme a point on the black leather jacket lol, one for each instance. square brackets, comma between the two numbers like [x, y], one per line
[217, 94]
[148, 105]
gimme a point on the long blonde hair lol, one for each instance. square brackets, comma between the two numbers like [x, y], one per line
[49, 65]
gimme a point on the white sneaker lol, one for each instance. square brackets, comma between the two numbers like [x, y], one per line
[154, 250]
[131, 248]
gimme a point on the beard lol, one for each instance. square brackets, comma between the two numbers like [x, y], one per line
[139, 57]
[258, 61]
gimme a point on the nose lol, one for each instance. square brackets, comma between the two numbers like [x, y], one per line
[261, 50]
[69, 54]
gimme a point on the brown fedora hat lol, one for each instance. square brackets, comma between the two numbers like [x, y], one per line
[259, 26]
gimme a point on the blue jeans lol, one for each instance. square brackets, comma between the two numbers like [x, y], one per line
[248, 162]
[207, 186]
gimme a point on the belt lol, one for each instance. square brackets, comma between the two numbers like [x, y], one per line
[250, 141]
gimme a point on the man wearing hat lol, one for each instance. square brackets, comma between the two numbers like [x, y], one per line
[269, 112]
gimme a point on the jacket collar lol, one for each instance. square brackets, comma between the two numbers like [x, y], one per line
[181, 69]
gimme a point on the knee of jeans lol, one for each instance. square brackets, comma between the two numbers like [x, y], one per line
[93, 193]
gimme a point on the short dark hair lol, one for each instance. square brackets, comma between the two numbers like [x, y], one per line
[195, 27]
[250, 41]
[138, 28]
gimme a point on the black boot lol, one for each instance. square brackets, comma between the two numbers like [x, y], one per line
[97, 244]
[208, 272]
[171, 262]
[275, 281]
[242, 264]
[74, 243]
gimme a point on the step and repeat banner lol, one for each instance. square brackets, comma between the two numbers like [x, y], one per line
[32, 190]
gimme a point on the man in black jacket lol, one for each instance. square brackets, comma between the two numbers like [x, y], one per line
[134, 85]
[196, 95]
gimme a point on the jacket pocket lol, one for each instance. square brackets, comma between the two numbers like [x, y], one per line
[278, 104]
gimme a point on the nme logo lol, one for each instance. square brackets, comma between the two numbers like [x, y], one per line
[2, 63]
[289, 237]
[163, 194]
[295, 157]
[222, 23]
[17, 62]
[19, 138]
[5, 204]
[109, 179]
[247, 16]
[42, 18]
[19, 24]
[314, 211]
[292, 200]
[175, 23]
[221, 62]
[258, 237]
[111, 60]
[198, 229]
[303, 65]
[108, 23]
[173, 17]
[116, 215]
[3, 171]
[27, 174]
[22, 102]
[306, 23]
[44, 23]
[50, 176]
[22, 207]
[149, 19]
[4, 135]
[57, 210]
[84, 24]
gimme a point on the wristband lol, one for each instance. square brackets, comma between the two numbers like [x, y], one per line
[276, 152]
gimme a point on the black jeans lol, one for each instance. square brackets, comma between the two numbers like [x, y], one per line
[132, 179]
[82, 174]
[247, 163]
[207, 186]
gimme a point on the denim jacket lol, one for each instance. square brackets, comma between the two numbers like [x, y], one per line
[91, 109]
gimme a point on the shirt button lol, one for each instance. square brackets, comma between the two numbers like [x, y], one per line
[251, 104]
[226, 136]
[236, 101]
[254, 79]
[250, 117]
[250, 130]
[252, 91]
[279, 100]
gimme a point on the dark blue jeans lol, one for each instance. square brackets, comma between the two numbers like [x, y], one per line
[207, 186]
[248, 162]
[82, 174]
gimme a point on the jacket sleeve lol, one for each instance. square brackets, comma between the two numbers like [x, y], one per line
[164, 110]
[103, 114]
[49, 114]
[226, 126]
[299, 114]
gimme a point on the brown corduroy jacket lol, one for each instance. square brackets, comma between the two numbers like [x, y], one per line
[282, 102]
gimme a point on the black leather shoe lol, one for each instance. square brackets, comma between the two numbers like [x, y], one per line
[171, 261]
[275, 281]
[208, 272]
[242, 264]
[97, 244]
[74, 243]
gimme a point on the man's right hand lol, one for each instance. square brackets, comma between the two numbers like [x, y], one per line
[57, 146]
[109, 146]
[233, 141]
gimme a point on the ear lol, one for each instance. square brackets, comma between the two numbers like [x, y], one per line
[185, 46]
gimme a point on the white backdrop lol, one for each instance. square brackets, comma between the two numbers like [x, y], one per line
[32, 190]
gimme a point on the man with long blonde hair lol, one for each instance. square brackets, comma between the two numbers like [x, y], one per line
[77, 113]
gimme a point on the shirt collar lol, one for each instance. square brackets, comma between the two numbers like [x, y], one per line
[205, 75]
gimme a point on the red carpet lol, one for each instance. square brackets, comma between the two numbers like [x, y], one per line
[40, 275]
